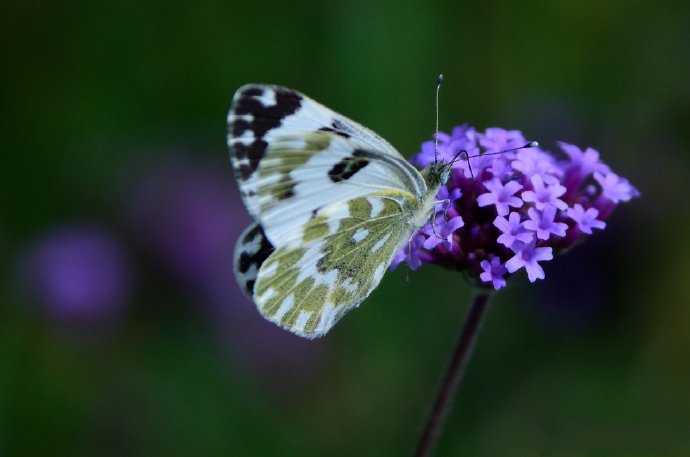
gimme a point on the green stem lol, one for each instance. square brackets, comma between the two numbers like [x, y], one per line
[453, 377]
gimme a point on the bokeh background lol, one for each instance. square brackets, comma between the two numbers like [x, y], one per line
[122, 331]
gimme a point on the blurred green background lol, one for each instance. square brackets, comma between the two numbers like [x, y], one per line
[122, 331]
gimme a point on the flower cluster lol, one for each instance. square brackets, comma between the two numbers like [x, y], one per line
[508, 206]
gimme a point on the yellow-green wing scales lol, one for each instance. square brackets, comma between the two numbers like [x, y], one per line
[308, 284]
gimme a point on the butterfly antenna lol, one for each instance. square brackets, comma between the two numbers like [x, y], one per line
[439, 80]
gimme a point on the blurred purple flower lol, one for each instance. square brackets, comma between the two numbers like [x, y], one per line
[77, 273]
[257, 345]
[586, 219]
[615, 188]
[518, 208]
[187, 215]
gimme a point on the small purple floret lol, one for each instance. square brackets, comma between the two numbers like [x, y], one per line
[544, 194]
[442, 232]
[542, 223]
[527, 258]
[586, 218]
[615, 188]
[494, 272]
[501, 195]
[512, 229]
[410, 253]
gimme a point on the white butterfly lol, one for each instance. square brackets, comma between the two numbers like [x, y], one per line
[333, 203]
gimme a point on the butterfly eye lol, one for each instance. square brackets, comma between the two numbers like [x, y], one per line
[445, 173]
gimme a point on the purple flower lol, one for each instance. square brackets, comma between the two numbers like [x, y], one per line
[586, 218]
[493, 272]
[410, 253]
[544, 194]
[527, 258]
[186, 215]
[542, 223]
[497, 139]
[448, 197]
[533, 161]
[77, 273]
[518, 207]
[615, 188]
[500, 167]
[461, 139]
[442, 233]
[512, 229]
[584, 163]
[501, 195]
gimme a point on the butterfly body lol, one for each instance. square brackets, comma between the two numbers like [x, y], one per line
[333, 202]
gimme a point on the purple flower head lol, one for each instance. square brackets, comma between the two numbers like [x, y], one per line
[77, 274]
[512, 210]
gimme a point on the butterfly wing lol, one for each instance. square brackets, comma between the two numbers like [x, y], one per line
[333, 202]
[251, 251]
[310, 282]
[292, 156]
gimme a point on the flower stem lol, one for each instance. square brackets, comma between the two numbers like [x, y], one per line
[453, 377]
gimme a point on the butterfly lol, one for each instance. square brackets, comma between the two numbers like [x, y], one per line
[332, 201]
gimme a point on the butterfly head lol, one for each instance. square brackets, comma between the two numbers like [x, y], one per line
[437, 174]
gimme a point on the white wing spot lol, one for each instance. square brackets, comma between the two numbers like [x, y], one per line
[327, 317]
[252, 246]
[329, 278]
[350, 285]
[284, 307]
[302, 320]
[268, 98]
[376, 206]
[269, 269]
[380, 242]
[360, 235]
[245, 139]
[378, 273]
[266, 296]
[232, 117]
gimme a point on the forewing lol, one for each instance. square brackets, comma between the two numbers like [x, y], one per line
[310, 282]
[288, 151]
